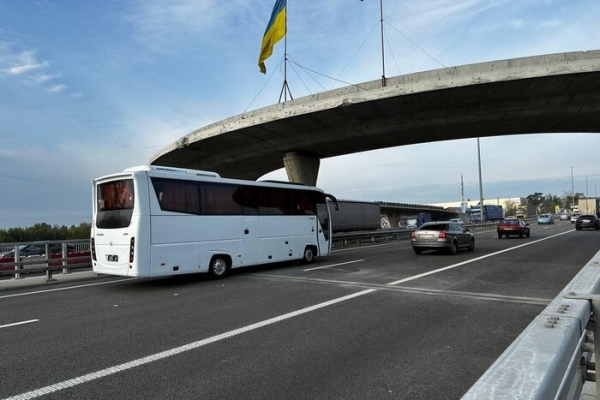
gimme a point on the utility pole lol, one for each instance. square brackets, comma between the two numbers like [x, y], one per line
[481, 216]
[462, 195]
[587, 195]
[572, 191]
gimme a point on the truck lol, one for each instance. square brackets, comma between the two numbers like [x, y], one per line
[525, 211]
[521, 212]
[490, 213]
[415, 221]
[355, 216]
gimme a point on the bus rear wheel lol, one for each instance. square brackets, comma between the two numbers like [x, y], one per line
[309, 255]
[219, 267]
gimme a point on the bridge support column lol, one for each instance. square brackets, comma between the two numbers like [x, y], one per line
[301, 168]
[394, 221]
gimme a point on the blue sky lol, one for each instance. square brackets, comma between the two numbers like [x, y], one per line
[89, 88]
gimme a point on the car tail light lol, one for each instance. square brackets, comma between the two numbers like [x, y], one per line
[131, 248]
[93, 248]
[442, 235]
[412, 235]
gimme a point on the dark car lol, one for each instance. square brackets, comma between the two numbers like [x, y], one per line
[587, 221]
[442, 235]
[514, 227]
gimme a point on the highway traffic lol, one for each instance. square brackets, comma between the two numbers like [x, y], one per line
[371, 321]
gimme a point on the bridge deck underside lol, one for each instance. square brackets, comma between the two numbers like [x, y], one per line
[568, 103]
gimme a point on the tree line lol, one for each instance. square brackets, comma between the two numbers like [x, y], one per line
[43, 231]
[547, 203]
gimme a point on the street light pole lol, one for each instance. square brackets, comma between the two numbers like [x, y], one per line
[572, 192]
[587, 195]
[481, 216]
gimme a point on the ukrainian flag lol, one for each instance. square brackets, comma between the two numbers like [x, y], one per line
[276, 29]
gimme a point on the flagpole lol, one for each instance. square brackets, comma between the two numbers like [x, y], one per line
[285, 89]
[383, 81]
[382, 45]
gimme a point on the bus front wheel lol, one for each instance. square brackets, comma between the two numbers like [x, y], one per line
[219, 266]
[309, 255]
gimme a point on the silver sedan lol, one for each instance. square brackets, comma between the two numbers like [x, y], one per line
[442, 235]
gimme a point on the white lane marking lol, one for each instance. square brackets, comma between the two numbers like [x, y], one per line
[19, 323]
[333, 265]
[65, 288]
[408, 289]
[178, 350]
[412, 278]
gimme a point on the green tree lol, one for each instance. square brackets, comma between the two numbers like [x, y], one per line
[510, 207]
[43, 231]
[536, 199]
[550, 203]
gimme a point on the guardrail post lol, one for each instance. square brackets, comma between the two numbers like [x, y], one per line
[64, 261]
[595, 314]
[594, 300]
[48, 270]
[17, 259]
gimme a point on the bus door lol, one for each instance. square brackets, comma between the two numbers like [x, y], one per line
[324, 229]
[250, 240]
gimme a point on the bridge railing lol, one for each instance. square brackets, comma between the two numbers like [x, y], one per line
[69, 258]
[555, 355]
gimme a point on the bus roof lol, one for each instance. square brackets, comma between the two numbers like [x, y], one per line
[172, 170]
[182, 173]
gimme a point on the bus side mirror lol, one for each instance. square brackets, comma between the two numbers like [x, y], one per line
[334, 200]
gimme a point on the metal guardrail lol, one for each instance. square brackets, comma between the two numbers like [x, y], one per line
[384, 235]
[47, 263]
[361, 237]
[556, 354]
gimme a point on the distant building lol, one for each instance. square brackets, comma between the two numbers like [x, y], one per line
[589, 206]
[517, 201]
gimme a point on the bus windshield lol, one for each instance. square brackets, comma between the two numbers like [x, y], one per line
[115, 204]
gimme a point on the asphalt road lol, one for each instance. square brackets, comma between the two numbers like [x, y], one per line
[370, 322]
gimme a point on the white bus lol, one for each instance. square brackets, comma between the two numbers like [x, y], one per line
[157, 221]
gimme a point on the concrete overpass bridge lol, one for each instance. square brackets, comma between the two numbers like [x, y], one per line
[395, 211]
[554, 93]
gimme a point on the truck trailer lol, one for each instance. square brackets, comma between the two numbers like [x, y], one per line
[490, 213]
[355, 216]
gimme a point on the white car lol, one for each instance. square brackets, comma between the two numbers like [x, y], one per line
[564, 217]
[574, 218]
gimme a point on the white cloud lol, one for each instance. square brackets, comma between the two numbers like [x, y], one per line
[24, 63]
[57, 88]
[43, 77]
